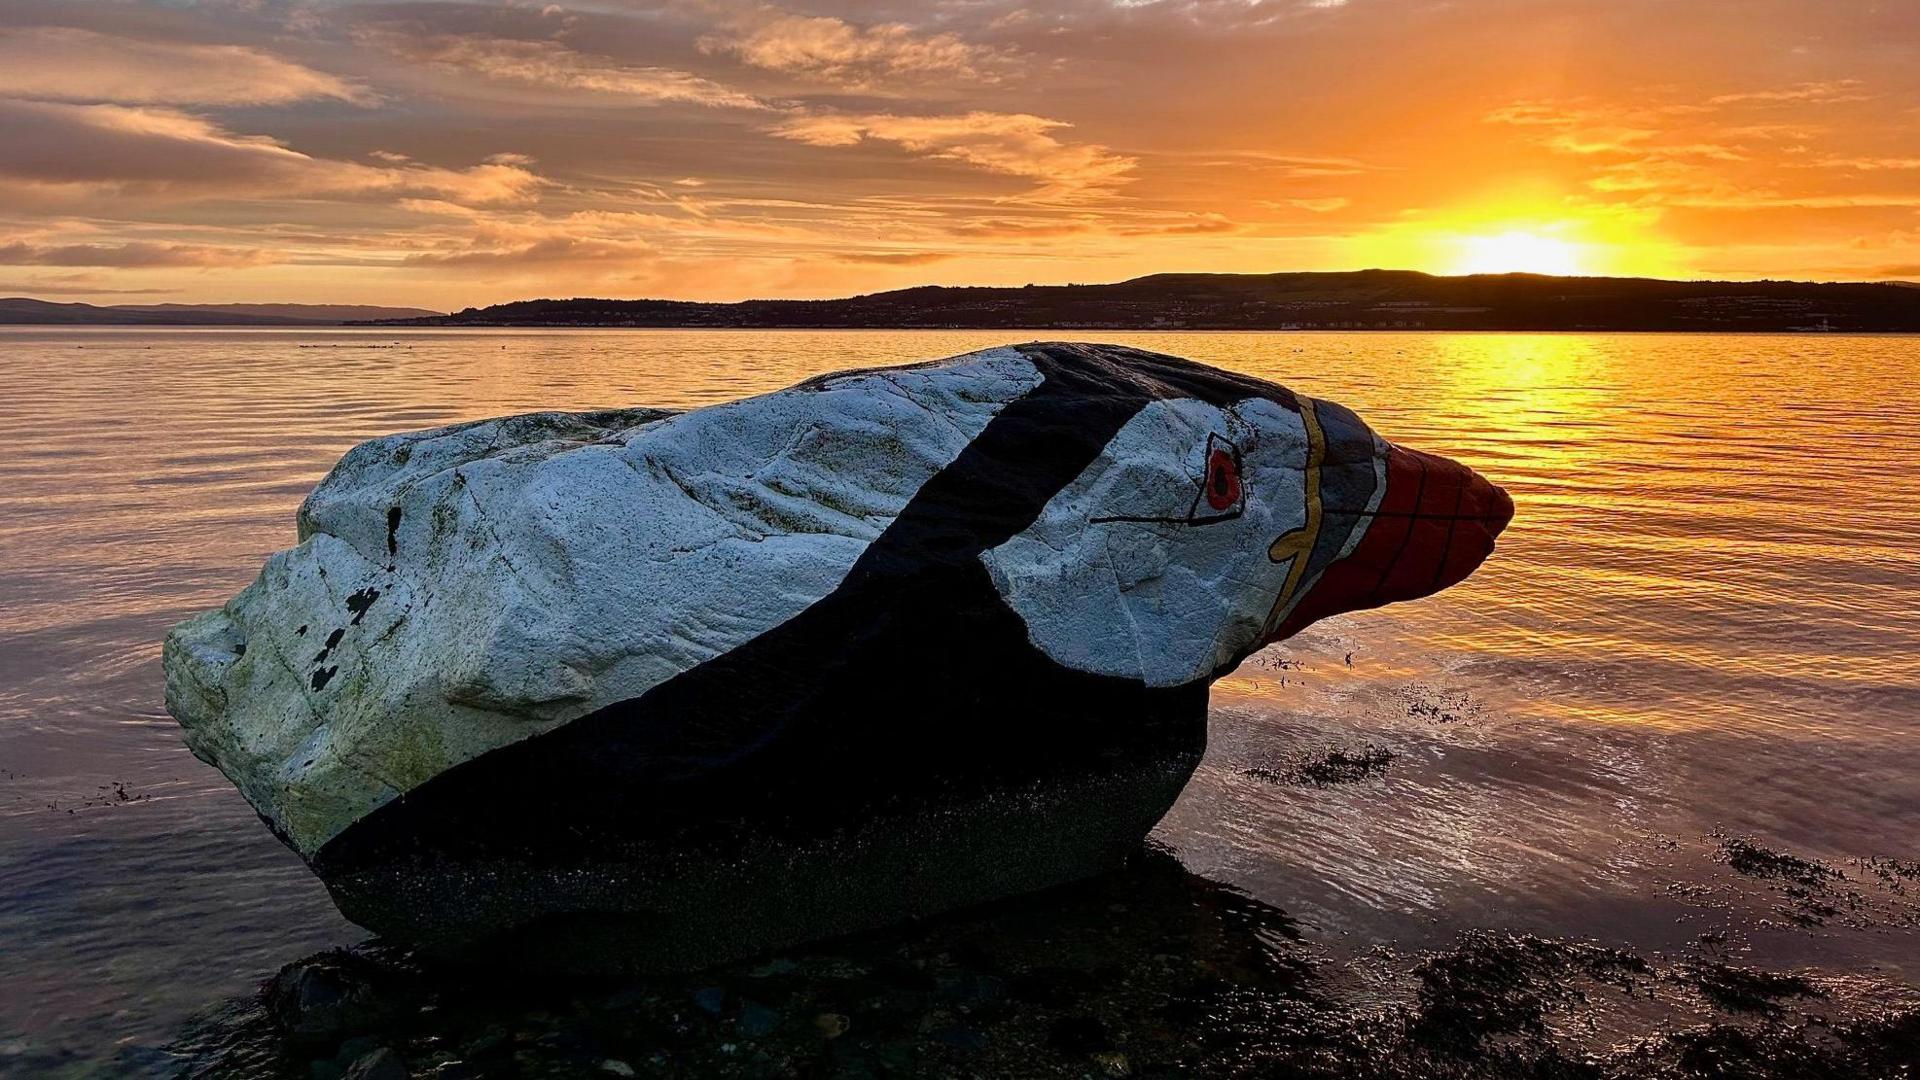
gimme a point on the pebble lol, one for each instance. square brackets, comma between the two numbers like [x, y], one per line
[832, 1025]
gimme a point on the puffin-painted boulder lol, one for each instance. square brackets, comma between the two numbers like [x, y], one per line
[640, 689]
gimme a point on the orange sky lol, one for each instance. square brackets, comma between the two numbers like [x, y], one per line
[445, 154]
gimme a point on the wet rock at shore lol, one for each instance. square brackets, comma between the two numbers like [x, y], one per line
[637, 689]
[333, 994]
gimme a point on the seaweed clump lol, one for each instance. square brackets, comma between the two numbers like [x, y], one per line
[1496, 984]
[1333, 767]
[1748, 857]
[1809, 886]
[1742, 989]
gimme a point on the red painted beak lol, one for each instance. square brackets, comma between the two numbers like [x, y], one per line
[1435, 525]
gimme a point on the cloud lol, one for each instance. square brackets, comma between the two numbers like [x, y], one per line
[135, 255]
[73, 285]
[894, 258]
[1318, 206]
[507, 240]
[853, 57]
[1818, 93]
[61, 64]
[1600, 140]
[1287, 166]
[1529, 114]
[1861, 164]
[511, 241]
[1011, 144]
[1181, 225]
[1021, 229]
[560, 250]
[163, 152]
[552, 65]
[1765, 200]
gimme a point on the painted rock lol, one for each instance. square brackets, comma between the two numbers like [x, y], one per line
[640, 689]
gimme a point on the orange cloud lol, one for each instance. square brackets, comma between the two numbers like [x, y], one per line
[894, 258]
[1011, 144]
[837, 52]
[552, 65]
[1840, 90]
[62, 64]
[130, 255]
[1179, 225]
[163, 152]
[1317, 206]
[552, 250]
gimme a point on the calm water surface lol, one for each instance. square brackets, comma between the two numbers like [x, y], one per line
[1703, 624]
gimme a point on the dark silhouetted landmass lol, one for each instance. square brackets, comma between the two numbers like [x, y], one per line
[1357, 300]
[19, 310]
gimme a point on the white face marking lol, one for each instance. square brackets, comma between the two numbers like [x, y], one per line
[1132, 571]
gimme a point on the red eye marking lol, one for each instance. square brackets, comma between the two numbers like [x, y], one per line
[1223, 480]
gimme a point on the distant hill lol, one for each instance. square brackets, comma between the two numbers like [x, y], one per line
[1356, 300]
[20, 310]
[337, 313]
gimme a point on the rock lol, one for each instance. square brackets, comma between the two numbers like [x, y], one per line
[330, 996]
[1079, 1035]
[490, 1038]
[757, 1020]
[832, 1025]
[964, 1039]
[379, 1064]
[353, 1049]
[616, 1067]
[637, 689]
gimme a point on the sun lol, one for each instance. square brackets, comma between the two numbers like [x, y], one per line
[1526, 229]
[1519, 251]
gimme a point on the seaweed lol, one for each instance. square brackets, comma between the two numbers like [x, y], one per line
[1333, 767]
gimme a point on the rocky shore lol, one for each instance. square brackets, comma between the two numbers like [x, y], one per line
[1153, 972]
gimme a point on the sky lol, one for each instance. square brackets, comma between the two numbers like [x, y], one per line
[448, 154]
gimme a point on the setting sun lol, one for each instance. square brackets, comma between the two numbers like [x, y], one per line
[1530, 226]
[1519, 251]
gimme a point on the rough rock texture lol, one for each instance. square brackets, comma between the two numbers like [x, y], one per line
[869, 647]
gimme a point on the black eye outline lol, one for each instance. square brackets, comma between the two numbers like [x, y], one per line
[1216, 445]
